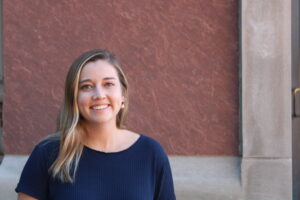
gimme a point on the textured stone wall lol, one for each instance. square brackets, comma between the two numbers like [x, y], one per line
[181, 59]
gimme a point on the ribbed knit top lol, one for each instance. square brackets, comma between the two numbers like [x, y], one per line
[140, 172]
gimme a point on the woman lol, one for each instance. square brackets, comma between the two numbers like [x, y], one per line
[93, 156]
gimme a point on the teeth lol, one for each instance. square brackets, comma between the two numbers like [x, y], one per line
[100, 107]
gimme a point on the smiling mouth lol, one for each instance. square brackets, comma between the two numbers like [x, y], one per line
[101, 107]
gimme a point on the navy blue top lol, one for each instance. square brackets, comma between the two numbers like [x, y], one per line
[140, 172]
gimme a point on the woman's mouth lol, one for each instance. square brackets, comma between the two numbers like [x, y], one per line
[99, 107]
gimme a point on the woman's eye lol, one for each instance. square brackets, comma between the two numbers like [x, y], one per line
[109, 84]
[85, 87]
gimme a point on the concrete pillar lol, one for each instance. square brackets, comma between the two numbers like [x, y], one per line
[266, 99]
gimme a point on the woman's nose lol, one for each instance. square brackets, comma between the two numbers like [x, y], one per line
[98, 93]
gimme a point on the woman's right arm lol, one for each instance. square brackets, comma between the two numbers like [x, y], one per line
[22, 196]
[33, 183]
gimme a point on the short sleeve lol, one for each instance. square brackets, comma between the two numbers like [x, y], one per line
[34, 177]
[164, 184]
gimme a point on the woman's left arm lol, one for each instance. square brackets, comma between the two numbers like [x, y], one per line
[164, 184]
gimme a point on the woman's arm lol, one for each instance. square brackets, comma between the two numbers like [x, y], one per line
[34, 177]
[165, 186]
[22, 196]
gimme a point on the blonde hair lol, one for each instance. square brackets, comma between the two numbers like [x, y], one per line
[68, 123]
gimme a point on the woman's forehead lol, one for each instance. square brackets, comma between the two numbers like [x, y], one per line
[99, 69]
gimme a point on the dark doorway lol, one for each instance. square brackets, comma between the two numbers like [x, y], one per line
[1, 83]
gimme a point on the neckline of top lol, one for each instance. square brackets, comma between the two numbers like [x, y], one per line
[116, 152]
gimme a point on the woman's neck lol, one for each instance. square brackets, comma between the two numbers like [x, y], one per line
[101, 137]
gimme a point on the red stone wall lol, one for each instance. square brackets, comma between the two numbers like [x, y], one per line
[181, 59]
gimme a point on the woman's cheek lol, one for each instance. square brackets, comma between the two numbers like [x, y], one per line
[82, 102]
[82, 97]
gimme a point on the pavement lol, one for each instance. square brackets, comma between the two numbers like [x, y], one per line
[10, 170]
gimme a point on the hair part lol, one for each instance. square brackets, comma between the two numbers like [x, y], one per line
[68, 123]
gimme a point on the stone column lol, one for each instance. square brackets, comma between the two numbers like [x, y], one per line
[266, 99]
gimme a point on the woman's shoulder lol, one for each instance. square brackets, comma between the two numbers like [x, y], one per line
[147, 142]
[51, 141]
[152, 142]
[48, 146]
[154, 146]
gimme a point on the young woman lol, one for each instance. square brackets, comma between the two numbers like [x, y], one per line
[93, 157]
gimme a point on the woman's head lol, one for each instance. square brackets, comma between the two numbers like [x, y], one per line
[89, 64]
[86, 93]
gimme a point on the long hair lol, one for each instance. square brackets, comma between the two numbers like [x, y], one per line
[68, 123]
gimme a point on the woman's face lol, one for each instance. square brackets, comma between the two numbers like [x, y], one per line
[99, 93]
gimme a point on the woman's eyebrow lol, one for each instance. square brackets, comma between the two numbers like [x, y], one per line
[89, 80]
[84, 80]
[109, 78]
